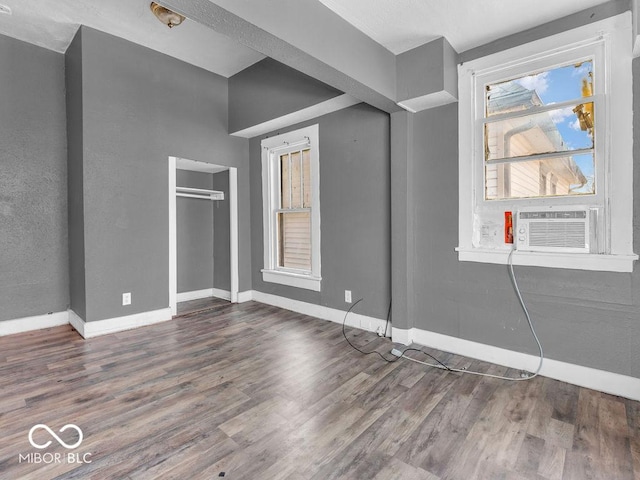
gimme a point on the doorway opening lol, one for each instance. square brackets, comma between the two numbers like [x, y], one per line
[176, 164]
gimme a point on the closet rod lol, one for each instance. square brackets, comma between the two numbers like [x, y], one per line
[202, 193]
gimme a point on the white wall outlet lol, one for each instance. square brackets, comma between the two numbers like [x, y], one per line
[126, 298]
[347, 296]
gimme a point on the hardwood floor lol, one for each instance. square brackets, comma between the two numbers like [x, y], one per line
[200, 305]
[262, 393]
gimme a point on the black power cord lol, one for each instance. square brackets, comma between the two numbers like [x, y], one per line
[444, 365]
[395, 359]
[352, 345]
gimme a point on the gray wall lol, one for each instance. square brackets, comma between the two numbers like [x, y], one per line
[194, 232]
[354, 207]
[33, 204]
[585, 318]
[75, 185]
[221, 234]
[139, 107]
[268, 89]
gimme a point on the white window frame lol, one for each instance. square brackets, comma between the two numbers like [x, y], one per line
[272, 148]
[608, 42]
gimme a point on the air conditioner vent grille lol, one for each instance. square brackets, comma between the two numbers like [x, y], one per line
[554, 229]
[557, 234]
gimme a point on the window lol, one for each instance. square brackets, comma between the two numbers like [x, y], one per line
[291, 204]
[539, 128]
[548, 124]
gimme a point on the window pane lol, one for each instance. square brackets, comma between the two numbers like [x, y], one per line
[296, 181]
[294, 249]
[568, 175]
[285, 182]
[306, 168]
[560, 84]
[559, 130]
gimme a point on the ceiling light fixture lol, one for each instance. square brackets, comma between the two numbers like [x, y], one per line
[166, 16]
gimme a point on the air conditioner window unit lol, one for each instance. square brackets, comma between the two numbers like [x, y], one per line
[554, 229]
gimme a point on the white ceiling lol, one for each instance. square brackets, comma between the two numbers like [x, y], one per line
[398, 25]
[52, 24]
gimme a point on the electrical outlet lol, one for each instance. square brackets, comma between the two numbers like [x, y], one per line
[126, 298]
[347, 296]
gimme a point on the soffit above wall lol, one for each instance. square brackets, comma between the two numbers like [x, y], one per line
[318, 43]
[347, 43]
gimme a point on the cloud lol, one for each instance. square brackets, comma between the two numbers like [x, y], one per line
[575, 125]
[559, 116]
[539, 82]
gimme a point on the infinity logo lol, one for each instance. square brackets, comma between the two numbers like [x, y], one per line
[41, 425]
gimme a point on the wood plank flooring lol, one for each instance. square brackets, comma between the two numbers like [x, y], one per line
[200, 305]
[255, 392]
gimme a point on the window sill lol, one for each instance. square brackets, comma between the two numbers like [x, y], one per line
[292, 279]
[577, 261]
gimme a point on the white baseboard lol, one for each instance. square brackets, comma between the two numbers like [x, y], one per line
[223, 294]
[76, 322]
[37, 322]
[246, 296]
[206, 293]
[356, 320]
[213, 292]
[608, 382]
[194, 295]
[118, 324]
